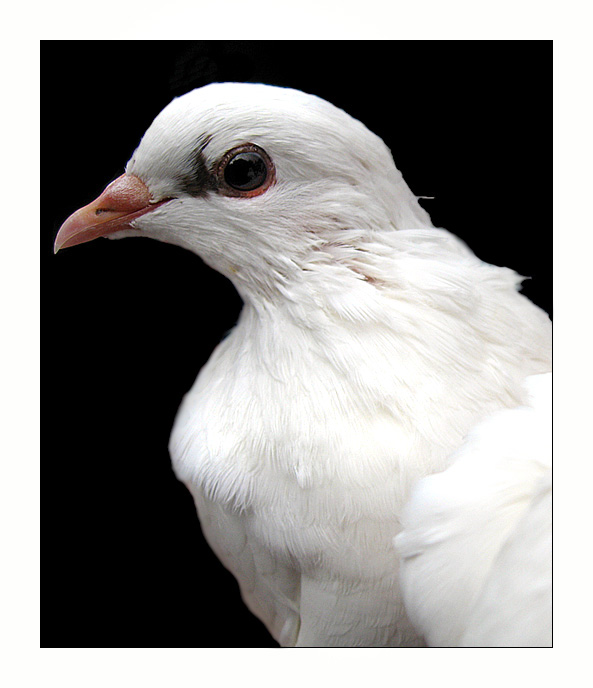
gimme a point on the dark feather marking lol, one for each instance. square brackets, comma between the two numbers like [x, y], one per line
[199, 181]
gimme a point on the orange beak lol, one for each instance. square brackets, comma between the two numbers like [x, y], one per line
[124, 200]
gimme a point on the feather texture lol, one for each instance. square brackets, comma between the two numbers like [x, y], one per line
[476, 541]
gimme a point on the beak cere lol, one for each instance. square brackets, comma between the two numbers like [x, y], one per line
[124, 200]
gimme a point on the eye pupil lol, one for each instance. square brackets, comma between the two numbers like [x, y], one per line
[246, 171]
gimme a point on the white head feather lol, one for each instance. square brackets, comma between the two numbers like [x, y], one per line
[328, 166]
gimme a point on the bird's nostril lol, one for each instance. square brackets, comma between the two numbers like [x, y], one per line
[100, 211]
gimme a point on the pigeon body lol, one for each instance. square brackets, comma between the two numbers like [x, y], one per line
[369, 345]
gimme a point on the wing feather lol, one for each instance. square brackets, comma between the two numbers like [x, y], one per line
[476, 539]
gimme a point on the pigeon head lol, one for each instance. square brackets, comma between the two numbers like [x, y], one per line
[259, 181]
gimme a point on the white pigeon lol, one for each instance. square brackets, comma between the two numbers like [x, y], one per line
[369, 346]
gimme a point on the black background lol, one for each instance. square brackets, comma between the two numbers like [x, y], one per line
[127, 325]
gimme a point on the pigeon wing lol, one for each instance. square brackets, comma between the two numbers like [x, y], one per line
[476, 539]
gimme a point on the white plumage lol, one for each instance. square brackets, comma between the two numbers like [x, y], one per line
[476, 543]
[369, 345]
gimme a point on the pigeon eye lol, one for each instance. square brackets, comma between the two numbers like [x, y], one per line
[245, 171]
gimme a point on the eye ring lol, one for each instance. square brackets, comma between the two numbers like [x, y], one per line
[245, 171]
